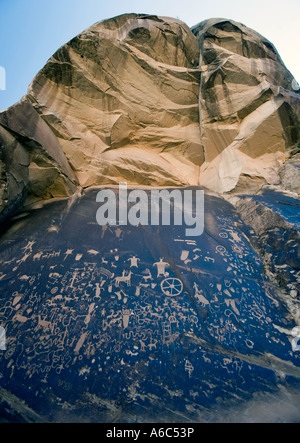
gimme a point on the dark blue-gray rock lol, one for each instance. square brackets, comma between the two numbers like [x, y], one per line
[141, 323]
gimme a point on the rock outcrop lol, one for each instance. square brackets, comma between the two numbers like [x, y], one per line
[249, 112]
[146, 100]
[140, 323]
[122, 98]
[32, 163]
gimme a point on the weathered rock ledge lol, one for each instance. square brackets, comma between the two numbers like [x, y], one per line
[146, 100]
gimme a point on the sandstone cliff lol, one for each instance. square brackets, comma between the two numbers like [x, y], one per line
[249, 112]
[147, 100]
[142, 324]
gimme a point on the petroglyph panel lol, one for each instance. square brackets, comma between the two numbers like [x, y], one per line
[114, 314]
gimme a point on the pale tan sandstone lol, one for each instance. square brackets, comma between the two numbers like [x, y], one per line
[249, 112]
[122, 98]
[146, 100]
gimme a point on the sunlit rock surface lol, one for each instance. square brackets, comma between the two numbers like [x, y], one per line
[148, 100]
[142, 323]
[249, 111]
[122, 97]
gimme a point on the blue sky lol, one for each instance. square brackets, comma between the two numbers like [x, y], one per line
[32, 30]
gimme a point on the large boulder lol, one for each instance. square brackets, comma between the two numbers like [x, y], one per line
[32, 163]
[249, 111]
[122, 98]
[146, 100]
[140, 322]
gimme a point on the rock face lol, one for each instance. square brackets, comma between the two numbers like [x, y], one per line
[31, 160]
[142, 324]
[146, 100]
[122, 98]
[137, 323]
[249, 112]
[290, 174]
